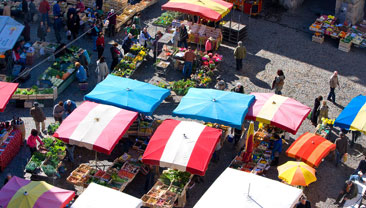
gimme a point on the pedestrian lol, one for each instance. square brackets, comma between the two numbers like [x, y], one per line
[94, 34]
[209, 45]
[238, 88]
[44, 9]
[38, 116]
[99, 4]
[70, 152]
[58, 111]
[349, 191]
[115, 52]
[26, 31]
[32, 141]
[80, 6]
[175, 39]
[240, 53]
[56, 9]
[341, 148]
[7, 179]
[57, 26]
[357, 177]
[315, 112]
[276, 150]
[6, 9]
[323, 112]
[127, 44]
[303, 203]
[74, 24]
[83, 60]
[355, 135]
[42, 31]
[25, 9]
[102, 69]
[183, 36]
[80, 73]
[278, 82]
[333, 83]
[100, 45]
[158, 48]
[189, 57]
[32, 10]
[134, 31]
[69, 107]
[361, 166]
[144, 37]
[112, 18]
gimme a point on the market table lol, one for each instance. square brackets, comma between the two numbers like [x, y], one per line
[9, 148]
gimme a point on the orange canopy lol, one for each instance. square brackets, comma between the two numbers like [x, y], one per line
[310, 148]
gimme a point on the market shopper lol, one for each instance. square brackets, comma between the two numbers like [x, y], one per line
[349, 191]
[240, 53]
[220, 85]
[134, 31]
[341, 148]
[144, 37]
[74, 25]
[94, 35]
[189, 57]
[58, 111]
[57, 26]
[357, 177]
[99, 4]
[127, 44]
[303, 203]
[80, 73]
[361, 166]
[276, 150]
[183, 36]
[112, 18]
[70, 152]
[69, 107]
[25, 9]
[116, 53]
[6, 9]
[83, 60]
[238, 88]
[42, 31]
[323, 112]
[315, 112]
[278, 82]
[56, 9]
[80, 6]
[158, 48]
[26, 31]
[102, 69]
[100, 44]
[38, 116]
[333, 83]
[209, 45]
[44, 9]
[32, 141]
[32, 10]
[355, 135]
[175, 39]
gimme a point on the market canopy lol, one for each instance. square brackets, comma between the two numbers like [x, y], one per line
[95, 126]
[10, 30]
[213, 10]
[353, 116]
[310, 148]
[216, 106]
[97, 196]
[235, 188]
[23, 193]
[128, 94]
[296, 173]
[7, 90]
[279, 111]
[183, 145]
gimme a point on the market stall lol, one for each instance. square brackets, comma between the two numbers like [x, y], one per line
[96, 196]
[310, 148]
[128, 94]
[6, 92]
[95, 126]
[199, 104]
[235, 188]
[353, 116]
[27, 194]
[10, 142]
[348, 34]
[279, 111]
[183, 145]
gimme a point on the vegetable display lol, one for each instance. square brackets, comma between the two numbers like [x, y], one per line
[166, 18]
[128, 64]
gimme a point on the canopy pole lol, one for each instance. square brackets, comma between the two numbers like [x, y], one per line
[231, 19]
[237, 32]
[249, 189]
[96, 159]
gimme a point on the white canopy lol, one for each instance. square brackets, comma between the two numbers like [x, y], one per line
[235, 188]
[97, 196]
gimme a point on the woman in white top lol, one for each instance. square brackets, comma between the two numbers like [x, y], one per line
[102, 69]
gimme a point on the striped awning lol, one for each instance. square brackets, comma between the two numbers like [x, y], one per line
[310, 148]
[213, 10]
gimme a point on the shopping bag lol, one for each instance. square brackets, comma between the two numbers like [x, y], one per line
[345, 157]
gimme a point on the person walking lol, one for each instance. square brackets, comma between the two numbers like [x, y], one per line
[32, 141]
[25, 9]
[315, 112]
[74, 24]
[69, 107]
[6, 9]
[42, 31]
[38, 116]
[80, 73]
[57, 26]
[102, 69]
[94, 34]
[341, 148]
[115, 52]
[189, 57]
[112, 18]
[80, 6]
[183, 36]
[44, 9]
[240, 53]
[56, 9]
[100, 44]
[58, 111]
[333, 83]
[238, 88]
[144, 37]
[32, 10]
[278, 82]
[323, 113]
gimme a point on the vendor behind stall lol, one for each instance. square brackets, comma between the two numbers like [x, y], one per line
[276, 150]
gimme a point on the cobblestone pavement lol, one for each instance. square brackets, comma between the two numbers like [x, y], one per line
[277, 39]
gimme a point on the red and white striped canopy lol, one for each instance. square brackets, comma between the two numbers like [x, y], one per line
[183, 145]
[95, 126]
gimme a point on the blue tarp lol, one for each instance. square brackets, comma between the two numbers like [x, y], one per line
[128, 94]
[10, 30]
[216, 106]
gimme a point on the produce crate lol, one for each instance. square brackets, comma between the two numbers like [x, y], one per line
[318, 39]
[3, 77]
[346, 47]
[52, 96]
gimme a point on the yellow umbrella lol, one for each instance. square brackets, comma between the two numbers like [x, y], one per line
[296, 173]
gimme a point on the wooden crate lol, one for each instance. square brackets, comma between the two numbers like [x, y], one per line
[318, 39]
[32, 97]
[346, 47]
[23, 97]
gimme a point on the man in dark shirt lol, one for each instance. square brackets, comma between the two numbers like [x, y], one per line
[361, 167]
[303, 203]
[341, 147]
[349, 191]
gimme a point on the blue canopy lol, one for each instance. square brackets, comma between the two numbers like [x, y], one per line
[128, 94]
[10, 31]
[353, 116]
[216, 106]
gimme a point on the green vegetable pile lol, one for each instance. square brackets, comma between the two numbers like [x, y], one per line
[49, 170]
[175, 177]
[35, 161]
[181, 87]
[34, 90]
[52, 128]
[166, 18]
